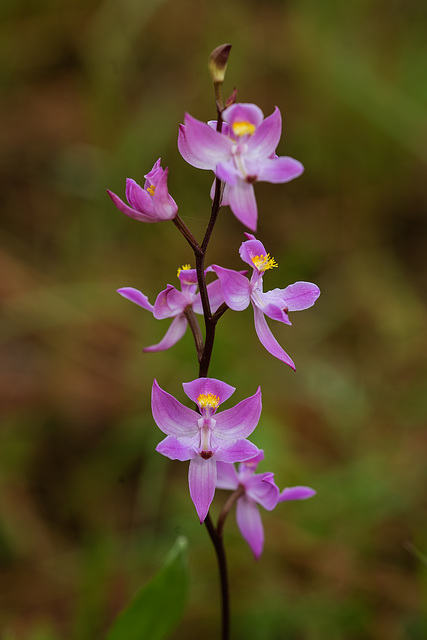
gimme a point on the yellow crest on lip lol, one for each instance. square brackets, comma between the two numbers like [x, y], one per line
[243, 128]
[185, 267]
[151, 190]
[262, 263]
[205, 400]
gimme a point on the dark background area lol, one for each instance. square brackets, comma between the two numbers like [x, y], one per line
[93, 92]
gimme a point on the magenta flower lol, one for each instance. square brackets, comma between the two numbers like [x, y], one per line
[238, 292]
[205, 437]
[258, 489]
[242, 154]
[151, 203]
[171, 303]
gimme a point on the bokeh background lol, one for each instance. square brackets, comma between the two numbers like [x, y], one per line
[92, 92]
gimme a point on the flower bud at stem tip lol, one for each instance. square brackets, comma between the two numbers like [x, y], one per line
[218, 62]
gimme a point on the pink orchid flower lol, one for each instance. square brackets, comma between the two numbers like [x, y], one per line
[243, 153]
[171, 303]
[239, 291]
[205, 437]
[151, 203]
[259, 489]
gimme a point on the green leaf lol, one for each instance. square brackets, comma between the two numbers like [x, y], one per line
[158, 606]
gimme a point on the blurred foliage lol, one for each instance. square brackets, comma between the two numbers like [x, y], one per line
[91, 92]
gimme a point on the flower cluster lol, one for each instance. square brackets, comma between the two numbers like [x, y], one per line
[240, 149]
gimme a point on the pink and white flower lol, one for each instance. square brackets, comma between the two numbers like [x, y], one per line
[243, 153]
[259, 489]
[239, 292]
[205, 437]
[153, 203]
[171, 303]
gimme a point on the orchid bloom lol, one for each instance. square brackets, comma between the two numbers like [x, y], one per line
[258, 489]
[205, 437]
[239, 291]
[151, 203]
[171, 303]
[243, 153]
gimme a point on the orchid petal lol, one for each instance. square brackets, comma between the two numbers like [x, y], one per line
[189, 156]
[266, 138]
[169, 303]
[250, 249]
[296, 493]
[235, 288]
[226, 476]
[243, 112]
[202, 386]
[233, 451]
[170, 415]
[129, 211]
[205, 144]
[239, 421]
[243, 204]
[164, 205]
[178, 448]
[279, 170]
[136, 296]
[268, 340]
[175, 332]
[250, 525]
[263, 490]
[201, 481]
[300, 295]
[138, 197]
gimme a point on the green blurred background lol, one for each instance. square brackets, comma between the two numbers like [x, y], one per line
[93, 92]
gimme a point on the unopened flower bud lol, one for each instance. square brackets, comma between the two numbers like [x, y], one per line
[218, 62]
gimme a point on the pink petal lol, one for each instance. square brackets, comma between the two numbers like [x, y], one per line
[233, 451]
[187, 153]
[273, 305]
[235, 288]
[171, 416]
[243, 204]
[170, 302]
[296, 493]
[268, 340]
[251, 248]
[240, 420]
[266, 138]
[300, 295]
[178, 448]
[278, 170]
[164, 205]
[205, 144]
[129, 211]
[138, 198]
[226, 476]
[208, 385]
[250, 525]
[136, 296]
[243, 112]
[172, 336]
[201, 481]
[262, 489]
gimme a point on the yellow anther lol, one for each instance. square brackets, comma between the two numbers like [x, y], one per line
[208, 400]
[151, 189]
[185, 267]
[262, 263]
[243, 128]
